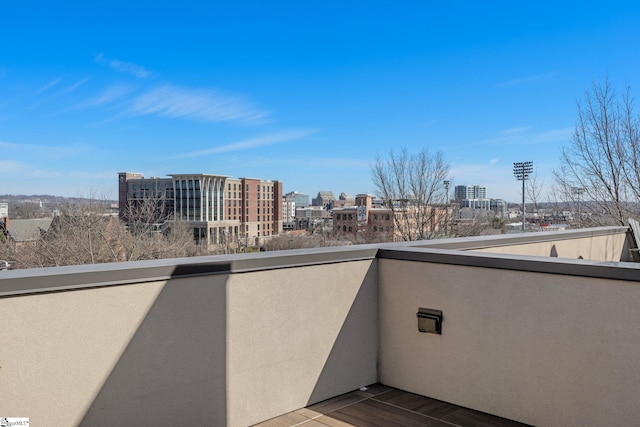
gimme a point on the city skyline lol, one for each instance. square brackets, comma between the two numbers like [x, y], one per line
[301, 93]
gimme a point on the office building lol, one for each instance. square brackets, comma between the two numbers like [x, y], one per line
[219, 209]
[290, 202]
[466, 192]
[324, 198]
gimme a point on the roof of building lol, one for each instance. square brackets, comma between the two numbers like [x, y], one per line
[25, 230]
[326, 194]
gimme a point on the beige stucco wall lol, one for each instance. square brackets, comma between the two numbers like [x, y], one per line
[209, 350]
[57, 350]
[298, 336]
[548, 350]
[598, 248]
[139, 354]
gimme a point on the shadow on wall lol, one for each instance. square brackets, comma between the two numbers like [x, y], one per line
[173, 370]
[352, 362]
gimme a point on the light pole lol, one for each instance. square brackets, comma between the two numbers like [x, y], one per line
[522, 170]
[578, 192]
[446, 208]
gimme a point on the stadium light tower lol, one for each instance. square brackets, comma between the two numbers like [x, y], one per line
[522, 170]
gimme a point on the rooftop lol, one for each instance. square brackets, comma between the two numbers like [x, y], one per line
[537, 329]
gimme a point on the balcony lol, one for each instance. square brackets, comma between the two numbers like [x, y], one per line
[538, 328]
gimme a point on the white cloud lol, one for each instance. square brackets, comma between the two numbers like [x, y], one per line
[124, 67]
[199, 104]
[110, 94]
[253, 143]
[523, 136]
[35, 150]
[514, 130]
[74, 86]
[553, 135]
[49, 85]
[527, 79]
[494, 161]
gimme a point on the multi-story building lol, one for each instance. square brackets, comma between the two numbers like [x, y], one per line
[343, 201]
[301, 200]
[484, 204]
[219, 209]
[4, 218]
[363, 218]
[380, 223]
[288, 214]
[499, 206]
[325, 199]
[467, 192]
[475, 197]
[290, 202]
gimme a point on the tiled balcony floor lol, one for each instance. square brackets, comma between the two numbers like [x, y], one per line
[384, 406]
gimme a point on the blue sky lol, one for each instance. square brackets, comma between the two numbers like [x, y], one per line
[304, 92]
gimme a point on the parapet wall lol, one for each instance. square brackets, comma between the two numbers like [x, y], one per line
[235, 340]
[555, 348]
[214, 341]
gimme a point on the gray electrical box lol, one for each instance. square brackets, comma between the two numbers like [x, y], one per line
[429, 320]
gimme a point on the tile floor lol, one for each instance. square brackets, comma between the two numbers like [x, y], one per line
[382, 406]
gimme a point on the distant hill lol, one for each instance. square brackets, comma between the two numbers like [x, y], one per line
[41, 205]
[49, 199]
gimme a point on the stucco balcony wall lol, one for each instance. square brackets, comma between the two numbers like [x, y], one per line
[236, 340]
[547, 342]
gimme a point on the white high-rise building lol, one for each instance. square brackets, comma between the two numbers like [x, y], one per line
[469, 192]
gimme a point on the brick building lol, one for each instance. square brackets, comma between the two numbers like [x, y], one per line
[217, 208]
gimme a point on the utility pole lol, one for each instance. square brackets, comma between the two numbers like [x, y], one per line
[446, 208]
[578, 191]
[522, 170]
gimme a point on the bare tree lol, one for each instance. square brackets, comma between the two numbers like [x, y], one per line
[412, 186]
[534, 188]
[85, 233]
[599, 168]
